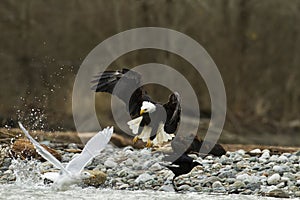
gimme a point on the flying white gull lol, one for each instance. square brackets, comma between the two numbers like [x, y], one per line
[73, 173]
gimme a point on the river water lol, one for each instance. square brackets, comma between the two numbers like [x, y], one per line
[23, 192]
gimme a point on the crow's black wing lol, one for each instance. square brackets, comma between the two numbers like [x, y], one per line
[182, 165]
[173, 110]
[128, 89]
[184, 159]
[177, 159]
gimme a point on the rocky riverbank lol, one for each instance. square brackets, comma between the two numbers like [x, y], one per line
[255, 172]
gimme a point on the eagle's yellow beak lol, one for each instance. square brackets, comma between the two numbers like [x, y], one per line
[142, 112]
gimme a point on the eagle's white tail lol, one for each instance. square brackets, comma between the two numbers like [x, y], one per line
[145, 135]
[161, 136]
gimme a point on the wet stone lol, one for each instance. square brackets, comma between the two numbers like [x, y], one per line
[143, 178]
[184, 187]
[72, 146]
[265, 155]
[238, 185]
[230, 180]
[297, 194]
[281, 185]
[273, 158]
[281, 168]
[123, 186]
[282, 159]
[217, 184]
[274, 179]
[253, 159]
[110, 164]
[226, 174]
[209, 181]
[129, 162]
[278, 193]
[253, 186]
[255, 152]
[155, 167]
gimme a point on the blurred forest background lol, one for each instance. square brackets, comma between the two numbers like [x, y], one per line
[254, 43]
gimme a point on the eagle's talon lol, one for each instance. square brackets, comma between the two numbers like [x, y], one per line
[149, 143]
[135, 139]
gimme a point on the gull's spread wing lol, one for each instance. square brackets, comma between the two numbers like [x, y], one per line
[42, 151]
[91, 149]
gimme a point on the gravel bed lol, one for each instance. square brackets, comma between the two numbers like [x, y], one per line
[239, 172]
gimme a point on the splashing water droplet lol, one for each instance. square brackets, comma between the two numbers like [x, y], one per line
[27, 172]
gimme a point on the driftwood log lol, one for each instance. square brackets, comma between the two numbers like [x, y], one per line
[6, 136]
[24, 149]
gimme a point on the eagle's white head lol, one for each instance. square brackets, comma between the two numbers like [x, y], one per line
[147, 107]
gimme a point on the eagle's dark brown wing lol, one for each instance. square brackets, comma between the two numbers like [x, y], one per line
[128, 89]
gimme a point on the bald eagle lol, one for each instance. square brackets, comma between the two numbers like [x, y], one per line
[151, 122]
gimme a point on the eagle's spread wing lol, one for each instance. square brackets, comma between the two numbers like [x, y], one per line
[173, 110]
[92, 148]
[128, 88]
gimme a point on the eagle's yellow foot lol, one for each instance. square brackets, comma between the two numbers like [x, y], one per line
[149, 143]
[135, 139]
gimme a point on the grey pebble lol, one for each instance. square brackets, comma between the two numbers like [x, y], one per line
[297, 194]
[129, 162]
[239, 185]
[281, 168]
[255, 151]
[217, 184]
[156, 167]
[110, 164]
[123, 186]
[184, 187]
[282, 159]
[274, 179]
[167, 188]
[265, 155]
[72, 146]
[143, 178]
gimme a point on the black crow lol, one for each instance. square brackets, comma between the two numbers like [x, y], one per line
[182, 165]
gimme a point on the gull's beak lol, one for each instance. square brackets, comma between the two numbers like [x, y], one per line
[142, 111]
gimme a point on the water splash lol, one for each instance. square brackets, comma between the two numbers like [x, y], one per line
[35, 117]
[27, 172]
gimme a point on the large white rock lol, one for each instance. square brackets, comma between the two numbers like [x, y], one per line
[155, 167]
[265, 155]
[282, 159]
[280, 168]
[255, 151]
[242, 177]
[248, 179]
[274, 179]
[143, 178]
[129, 162]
